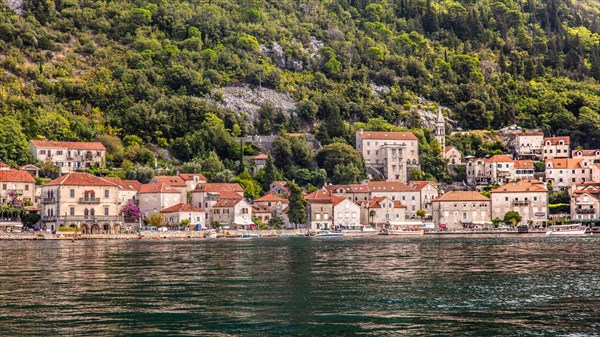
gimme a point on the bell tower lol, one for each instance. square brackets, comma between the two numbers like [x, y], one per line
[440, 130]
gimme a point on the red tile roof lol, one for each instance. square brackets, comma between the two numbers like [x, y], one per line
[499, 158]
[230, 195]
[157, 188]
[80, 179]
[523, 164]
[219, 187]
[174, 181]
[124, 185]
[16, 176]
[4, 166]
[182, 207]
[335, 200]
[462, 196]
[261, 209]
[271, 197]
[448, 148]
[585, 153]
[388, 186]
[227, 202]
[421, 184]
[190, 176]
[387, 135]
[519, 186]
[260, 156]
[136, 185]
[562, 163]
[68, 145]
[555, 140]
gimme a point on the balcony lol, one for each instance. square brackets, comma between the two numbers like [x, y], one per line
[84, 218]
[50, 200]
[520, 202]
[16, 192]
[585, 210]
[89, 200]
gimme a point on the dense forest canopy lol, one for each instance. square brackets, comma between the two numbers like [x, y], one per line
[83, 69]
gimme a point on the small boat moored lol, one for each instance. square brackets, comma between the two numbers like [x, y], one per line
[572, 229]
[328, 234]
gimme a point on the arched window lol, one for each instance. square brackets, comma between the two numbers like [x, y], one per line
[92, 212]
[86, 212]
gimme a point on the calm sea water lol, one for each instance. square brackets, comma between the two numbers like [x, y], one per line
[302, 286]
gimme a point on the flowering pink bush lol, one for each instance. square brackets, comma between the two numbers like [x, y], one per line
[131, 212]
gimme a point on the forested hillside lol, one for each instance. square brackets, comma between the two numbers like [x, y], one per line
[84, 70]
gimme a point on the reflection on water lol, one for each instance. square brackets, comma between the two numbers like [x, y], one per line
[302, 286]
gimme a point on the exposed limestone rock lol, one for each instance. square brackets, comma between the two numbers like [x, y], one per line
[249, 100]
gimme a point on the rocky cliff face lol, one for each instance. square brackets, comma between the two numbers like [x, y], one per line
[16, 5]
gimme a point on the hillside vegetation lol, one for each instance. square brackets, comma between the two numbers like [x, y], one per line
[86, 69]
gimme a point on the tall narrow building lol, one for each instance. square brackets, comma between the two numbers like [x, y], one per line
[440, 130]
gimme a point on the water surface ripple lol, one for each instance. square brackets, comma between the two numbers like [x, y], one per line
[379, 286]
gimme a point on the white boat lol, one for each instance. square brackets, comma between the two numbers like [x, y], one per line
[573, 229]
[359, 230]
[329, 234]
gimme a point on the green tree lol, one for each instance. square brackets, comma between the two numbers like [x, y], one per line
[140, 173]
[421, 214]
[512, 218]
[14, 144]
[297, 205]
[335, 154]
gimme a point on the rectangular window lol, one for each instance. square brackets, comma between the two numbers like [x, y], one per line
[72, 211]
[42, 151]
[59, 152]
[106, 193]
[105, 210]
[26, 187]
[4, 186]
[72, 193]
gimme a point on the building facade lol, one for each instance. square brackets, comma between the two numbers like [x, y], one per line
[388, 155]
[528, 198]
[564, 172]
[69, 156]
[460, 210]
[557, 147]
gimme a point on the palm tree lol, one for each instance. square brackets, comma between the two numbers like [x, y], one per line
[372, 214]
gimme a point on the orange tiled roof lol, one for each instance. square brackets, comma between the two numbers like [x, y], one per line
[157, 188]
[260, 156]
[68, 145]
[585, 153]
[448, 148]
[124, 185]
[499, 158]
[555, 140]
[80, 179]
[3, 165]
[519, 186]
[319, 196]
[271, 197]
[387, 135]
[227, 202]
[219, 187]
[462, 196]
[136, 185]
[523, 164]
[16, 176]
[335, 200]
[565, 163]
[388, 186]
[190, 176]
[182, 207]
[421, 184]
[174, 181]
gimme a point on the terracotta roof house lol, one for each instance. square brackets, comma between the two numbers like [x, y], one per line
[69, 156]
[177, 213]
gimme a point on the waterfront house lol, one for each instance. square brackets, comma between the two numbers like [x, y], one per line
[557, 147]
[381, 212]
[428, 191]
[155, 197]
[273, 202]
[84, 201]
[262, 212]
[320, 209]
[69, 156]
[527, 197]
[234, 213]
[207, 194]
[16, 184]
[564, 172]
[388, 155]
[346, 213]
[461, 209]
[175, 214]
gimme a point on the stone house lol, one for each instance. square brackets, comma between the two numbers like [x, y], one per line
[564, 172]
[388, 155]
[527, 197]
[462, 209]
[192, 180]
[278, 187]
[453, 156]
[346, 213]
[235, 213]
[82, 200]
[428, 190]
[175, 214]
[320, 209]
[381, 211]
[591, 156]
[155, 197]
[69, 156]
[528, 144]
[16, 184]
[557, 147]
[259, 162]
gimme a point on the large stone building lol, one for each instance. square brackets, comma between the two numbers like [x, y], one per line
[557, 147]
[69, 156]
[80, 199]
[564, 172]
[235, 213]
[16, 185]
[498, 169]
[320, 209]
[381, 212]
[459, 210]
[527, 197]
[528, 144]
[388, 155]
[153, 198]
